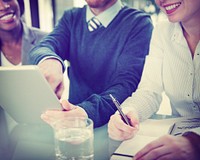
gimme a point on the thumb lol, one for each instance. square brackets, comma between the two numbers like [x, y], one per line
[66, 105]
[134, 119]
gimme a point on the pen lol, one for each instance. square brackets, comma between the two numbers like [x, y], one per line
[117, 104]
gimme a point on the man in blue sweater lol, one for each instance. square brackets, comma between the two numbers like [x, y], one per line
[106, 57]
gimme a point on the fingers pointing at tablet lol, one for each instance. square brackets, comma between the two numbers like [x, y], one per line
[69, 110]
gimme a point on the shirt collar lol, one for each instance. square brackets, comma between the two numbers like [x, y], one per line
[107, 16]
[177, 34]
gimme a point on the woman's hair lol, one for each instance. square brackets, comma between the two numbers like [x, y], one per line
[21, 6]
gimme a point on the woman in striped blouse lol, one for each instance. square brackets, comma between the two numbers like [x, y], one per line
[172, 66]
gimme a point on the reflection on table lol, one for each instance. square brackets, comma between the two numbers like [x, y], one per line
[36, 142]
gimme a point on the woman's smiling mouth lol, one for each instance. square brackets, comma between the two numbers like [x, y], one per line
[170, 8]
[7, 17]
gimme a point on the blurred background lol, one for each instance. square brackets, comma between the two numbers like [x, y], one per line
[44, 14]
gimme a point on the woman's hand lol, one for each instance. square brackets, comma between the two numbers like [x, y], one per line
[119, 130]
[167, 148]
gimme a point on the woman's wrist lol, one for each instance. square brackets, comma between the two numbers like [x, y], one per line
[195, 142]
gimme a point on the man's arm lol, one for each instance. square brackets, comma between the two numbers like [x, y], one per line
[45, 55]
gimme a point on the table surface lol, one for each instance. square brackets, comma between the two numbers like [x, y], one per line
[36, 142]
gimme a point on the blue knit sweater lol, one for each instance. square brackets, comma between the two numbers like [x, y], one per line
[106, 61]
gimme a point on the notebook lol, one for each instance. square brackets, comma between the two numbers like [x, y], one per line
[149, 131]
[25, 94]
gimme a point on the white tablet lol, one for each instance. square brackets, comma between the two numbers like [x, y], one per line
[25, 94]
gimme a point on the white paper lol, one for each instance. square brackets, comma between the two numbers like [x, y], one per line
[149, 130]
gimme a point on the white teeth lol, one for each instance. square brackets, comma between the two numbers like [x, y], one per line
[172, 6]
[6, 17]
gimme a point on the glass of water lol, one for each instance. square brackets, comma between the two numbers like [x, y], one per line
[74, 138]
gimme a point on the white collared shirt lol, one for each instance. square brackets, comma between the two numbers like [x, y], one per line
[107, 16]
[169, 67]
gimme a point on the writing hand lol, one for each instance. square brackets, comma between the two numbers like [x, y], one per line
[119, 130]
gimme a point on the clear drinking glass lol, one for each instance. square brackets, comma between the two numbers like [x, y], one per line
[74, 138]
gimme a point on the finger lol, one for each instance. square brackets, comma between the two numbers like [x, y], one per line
[67, 106]
[157, 153]
[54, 114]
[48, 119]
[148, 148]
[113, 131]
[123, 126]
[53, 82]
[134, 121]
[59, 90]
[52, 70]
[169, 156]
[118, 123]
[58, 114]
[50, 77]
[120, 136]
[118, 130]
[76, 112]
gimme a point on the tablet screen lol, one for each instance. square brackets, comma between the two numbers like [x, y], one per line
[25, 94]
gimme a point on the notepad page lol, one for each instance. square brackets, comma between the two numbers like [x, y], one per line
[130, 147]
[155, 127]
[149, 130]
